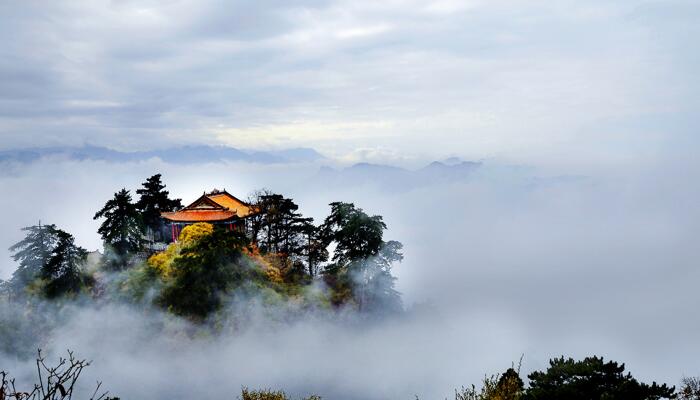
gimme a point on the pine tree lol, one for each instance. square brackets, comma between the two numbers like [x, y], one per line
[312, 246]
[361, 260]
[152, 202]
[61, 272]
[591, 378]
[32, 253]
[49, 254]
[278, 227]
[122, 228]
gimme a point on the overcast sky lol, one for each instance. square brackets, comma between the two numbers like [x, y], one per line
[525, 80]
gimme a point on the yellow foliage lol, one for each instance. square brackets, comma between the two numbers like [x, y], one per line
[273, 266]
[163, 261]
[192, 233]
[273, 274]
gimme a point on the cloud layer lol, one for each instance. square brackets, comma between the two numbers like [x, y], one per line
[523, 80]
[507, 261]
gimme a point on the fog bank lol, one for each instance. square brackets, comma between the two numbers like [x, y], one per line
[508, 261]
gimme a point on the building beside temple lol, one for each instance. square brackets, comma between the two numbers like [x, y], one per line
[217, 207]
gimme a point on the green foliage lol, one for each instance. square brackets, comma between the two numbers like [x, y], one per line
[591, 378]
[136, 285]
[278, 228]
[362, 260]
[49, 263]
[265, 394]
[356, 234]
[32, 253]
[506, 386]
[268, 394]
[152, 201]
[62, 273]
[202, 273]
[122, 229]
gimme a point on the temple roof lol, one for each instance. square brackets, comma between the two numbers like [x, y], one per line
[231, 202]
[199, 215]
[216, 206]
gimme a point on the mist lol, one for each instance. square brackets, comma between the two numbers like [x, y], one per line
[515, 260]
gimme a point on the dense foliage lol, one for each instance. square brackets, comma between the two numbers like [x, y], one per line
[49, 263]
[362, 260]
[62, 271]
[152, 202]
[122, 229]
[202, 272]
[31, 254]
[591, 378]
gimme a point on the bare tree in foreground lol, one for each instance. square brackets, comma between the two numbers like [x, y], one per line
[690, 389]
[54, 383]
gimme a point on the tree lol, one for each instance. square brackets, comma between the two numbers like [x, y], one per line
[152, 202]
[507, 386]
[356, 234]
[361, 260]
[204, 270]
[256, 220]
[49, 254]
[690, 389]
[591, 378]
[277, 225]
[32, 253]
[54, 382]
[278, 228]
[62, 273]
[122, 228]
[313, 247]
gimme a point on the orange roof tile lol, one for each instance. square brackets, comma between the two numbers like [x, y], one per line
[229, 201]
[199, 215]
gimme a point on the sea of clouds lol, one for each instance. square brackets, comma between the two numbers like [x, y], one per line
[511, 261]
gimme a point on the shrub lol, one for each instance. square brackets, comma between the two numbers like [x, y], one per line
[267, 394]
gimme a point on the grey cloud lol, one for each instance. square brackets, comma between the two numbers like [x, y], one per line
[154, 74]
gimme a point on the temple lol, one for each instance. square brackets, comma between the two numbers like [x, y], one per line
[217, 207]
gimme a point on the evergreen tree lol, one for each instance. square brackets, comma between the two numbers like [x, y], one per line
[591, 378]
[313, 246]
[152, 202]
[204, 271]
[122, 228]
[32, 253]
[61, 272]
[278, 227]
[49, 254]
[362, 260]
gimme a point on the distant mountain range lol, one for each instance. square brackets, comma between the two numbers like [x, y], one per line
[175, 155]
[390, 177]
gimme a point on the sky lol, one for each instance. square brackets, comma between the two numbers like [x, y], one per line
[532, 81]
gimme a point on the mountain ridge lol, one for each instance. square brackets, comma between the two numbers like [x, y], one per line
[188, 154]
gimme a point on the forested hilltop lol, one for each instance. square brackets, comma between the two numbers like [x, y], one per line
[280, 257]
